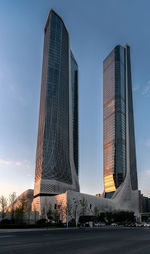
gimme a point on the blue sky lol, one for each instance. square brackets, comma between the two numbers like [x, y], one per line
[95, 28]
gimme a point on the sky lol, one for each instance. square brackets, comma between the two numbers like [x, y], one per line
[95, 28]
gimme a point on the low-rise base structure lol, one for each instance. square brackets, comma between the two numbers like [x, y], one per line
[72, 205]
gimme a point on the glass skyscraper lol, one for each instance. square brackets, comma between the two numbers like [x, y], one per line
[118, 120]
[57, 144]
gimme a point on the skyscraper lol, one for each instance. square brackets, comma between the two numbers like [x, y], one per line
[57, 144]
[119, 138]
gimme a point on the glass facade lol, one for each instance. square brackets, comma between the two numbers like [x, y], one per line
[53, 145]
[115, 70]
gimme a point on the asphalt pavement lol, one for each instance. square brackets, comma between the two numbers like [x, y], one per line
[73, 241]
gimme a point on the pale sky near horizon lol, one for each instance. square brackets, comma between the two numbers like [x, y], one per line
[95, 28]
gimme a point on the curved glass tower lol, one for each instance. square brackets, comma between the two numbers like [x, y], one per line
[118, 120]
[57, 144]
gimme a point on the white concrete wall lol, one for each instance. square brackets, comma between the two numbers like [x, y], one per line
[71, 201]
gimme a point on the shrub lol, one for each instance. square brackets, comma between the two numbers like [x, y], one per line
[41, 221]
[5, 221]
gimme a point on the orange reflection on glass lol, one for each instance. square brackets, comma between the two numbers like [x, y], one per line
[109, 183]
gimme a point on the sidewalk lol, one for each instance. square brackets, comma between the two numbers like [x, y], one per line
[11, 230]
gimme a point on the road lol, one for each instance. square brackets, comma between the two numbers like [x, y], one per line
[74, 241]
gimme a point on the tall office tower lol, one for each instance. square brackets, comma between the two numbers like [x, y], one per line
[57, 144]
[119, 139]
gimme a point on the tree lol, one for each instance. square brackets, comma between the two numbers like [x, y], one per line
[56, 215]
[124, 217]
[76, 212]
[65, 211]
[45, 209]
[23, 203]
[101, 217]
[96, 213]
[35, 213]
[83, 209]
[50, 212]
[3, 205]
[68, 211]
[12, 198]
[28, 210]
[109, 218]
[21, 209]
[62, 210]
[43, 213]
